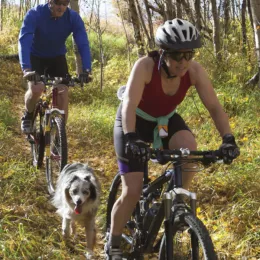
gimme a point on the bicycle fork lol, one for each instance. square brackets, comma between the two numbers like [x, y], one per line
[169, 199]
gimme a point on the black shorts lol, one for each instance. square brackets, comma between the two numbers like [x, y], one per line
[144, 130]
[52, 67]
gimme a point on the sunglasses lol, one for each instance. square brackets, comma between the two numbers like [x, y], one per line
[57, 2]
[178, 56]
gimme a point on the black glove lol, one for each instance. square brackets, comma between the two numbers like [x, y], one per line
[229, 150]
[136, 148]
[85, 77]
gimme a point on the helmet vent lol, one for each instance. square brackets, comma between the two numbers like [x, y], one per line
[179, 22]
[191, 32]
[176, 32]
[184, 32]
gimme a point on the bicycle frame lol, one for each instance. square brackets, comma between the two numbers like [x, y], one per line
[172, 194]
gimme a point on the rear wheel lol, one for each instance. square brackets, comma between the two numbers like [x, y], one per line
[58, 155]
[190, 238]
[36, 139]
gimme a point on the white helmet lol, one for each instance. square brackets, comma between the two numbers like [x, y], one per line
[177, 34]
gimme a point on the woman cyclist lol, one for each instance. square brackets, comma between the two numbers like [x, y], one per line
[157, 84]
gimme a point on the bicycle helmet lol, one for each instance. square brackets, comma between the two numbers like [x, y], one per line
[177, 34]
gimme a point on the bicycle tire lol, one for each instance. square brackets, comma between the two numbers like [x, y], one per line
[192, 231]
[37, 139]
[58, 152]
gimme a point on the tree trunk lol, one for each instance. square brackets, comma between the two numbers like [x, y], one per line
[150, 24]
[74, 4]
[188, 10]
[198, 14]
[136, 25]
[250, 14]
[226, 7]
[169, 9]
[255, 8]
[216, 28]
[141, 18]
[1, 14]
[178, 9]
[243, 25]
[126, 36]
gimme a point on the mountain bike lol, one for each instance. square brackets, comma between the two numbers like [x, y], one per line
[48, 132]
[164, 222]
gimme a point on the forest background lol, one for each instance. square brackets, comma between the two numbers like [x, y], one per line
[228, 195]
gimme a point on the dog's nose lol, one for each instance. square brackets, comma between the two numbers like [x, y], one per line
[79, 201]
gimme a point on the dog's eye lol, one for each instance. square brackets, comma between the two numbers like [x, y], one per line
[86, 192]
[75, 191]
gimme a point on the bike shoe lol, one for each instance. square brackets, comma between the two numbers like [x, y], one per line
[26, 124]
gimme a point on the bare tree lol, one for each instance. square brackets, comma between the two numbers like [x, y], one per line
[198, 14]
[178, 9]
[96, 27]
[136, 26]
[243, 25]
[126, 35]
[169, 9]
[216, 29]
[150, 24]
[255, 8]
[74, 4]
[1, 15]
[226, 9]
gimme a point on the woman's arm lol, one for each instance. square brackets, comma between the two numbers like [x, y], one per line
[140, 75]
[209, 98]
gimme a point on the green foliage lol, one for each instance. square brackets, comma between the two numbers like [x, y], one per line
[228, 196]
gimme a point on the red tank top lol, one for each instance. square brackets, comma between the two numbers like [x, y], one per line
[155, 102]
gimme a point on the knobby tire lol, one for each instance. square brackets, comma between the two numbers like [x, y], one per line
[59, 152]
[37, 139]
[188, 231]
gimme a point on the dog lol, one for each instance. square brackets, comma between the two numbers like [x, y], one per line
[77, 198]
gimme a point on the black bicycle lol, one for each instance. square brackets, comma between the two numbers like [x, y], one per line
[164, 201]
[49, 133]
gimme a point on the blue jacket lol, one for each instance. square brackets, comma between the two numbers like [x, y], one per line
[44, 36]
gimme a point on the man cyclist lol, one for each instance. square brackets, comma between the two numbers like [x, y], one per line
[157, 84]
[42, 50]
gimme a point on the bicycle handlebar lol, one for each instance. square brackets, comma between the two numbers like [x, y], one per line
[205, 157]
[52, 81]
[68, 81]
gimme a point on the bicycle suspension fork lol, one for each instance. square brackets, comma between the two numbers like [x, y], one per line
[167, 201]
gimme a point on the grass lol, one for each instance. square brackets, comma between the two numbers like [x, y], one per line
[228, 195]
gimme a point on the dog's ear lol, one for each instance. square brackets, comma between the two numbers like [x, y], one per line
[67, 194]
[93, 191]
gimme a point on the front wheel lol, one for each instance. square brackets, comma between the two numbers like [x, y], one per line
[56, 158]
[190, 239]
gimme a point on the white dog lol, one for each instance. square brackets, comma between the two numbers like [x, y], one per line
[77, 198]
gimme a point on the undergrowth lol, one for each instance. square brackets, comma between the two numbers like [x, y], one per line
[228, 195]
